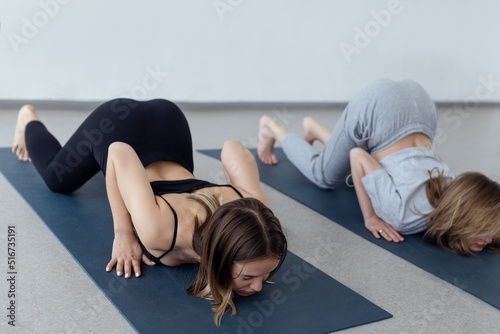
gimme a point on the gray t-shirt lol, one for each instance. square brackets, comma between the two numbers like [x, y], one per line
[397, 191]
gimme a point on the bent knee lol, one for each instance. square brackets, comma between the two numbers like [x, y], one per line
[60, 186]
[328, 184]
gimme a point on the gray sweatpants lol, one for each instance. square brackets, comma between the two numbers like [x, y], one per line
[379, 116]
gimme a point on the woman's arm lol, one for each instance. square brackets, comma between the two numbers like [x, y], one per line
[241, 169]
[362, 163]
[132, 205]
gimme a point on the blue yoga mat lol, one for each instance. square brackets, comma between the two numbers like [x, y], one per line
[478, 275]
[302, 300]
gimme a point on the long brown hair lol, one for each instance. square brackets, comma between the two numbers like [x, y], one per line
[243, 230]
[464, 208]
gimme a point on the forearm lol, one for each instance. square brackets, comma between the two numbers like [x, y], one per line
[130, 195]
[122, 221]
[131, 198]
[362, 165]
[364, 200]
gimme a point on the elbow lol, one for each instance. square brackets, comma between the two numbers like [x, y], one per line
[117, 148]
[356, 153]
[353, 151]
[231, 145]
[118, 152]
[232, 142]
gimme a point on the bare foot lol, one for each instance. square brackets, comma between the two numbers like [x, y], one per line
[266, 139]
[313, 130]
[307, 125]
[26, 114]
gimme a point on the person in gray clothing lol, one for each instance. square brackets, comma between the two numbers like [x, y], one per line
[384, 140]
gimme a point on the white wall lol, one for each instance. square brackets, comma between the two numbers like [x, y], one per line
[246, 50]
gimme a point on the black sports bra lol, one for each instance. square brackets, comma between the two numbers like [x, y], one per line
[177, 187]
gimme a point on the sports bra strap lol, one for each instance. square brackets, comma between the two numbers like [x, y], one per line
[236, 190]
[175, 228]
[174, 239]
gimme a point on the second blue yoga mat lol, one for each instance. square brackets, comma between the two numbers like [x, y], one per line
[478, 275]
[302, 300]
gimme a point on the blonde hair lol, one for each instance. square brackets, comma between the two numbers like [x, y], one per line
[464, 208]
[243, 230]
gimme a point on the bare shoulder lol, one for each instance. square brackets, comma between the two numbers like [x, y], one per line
[158, 236]
[259, 195]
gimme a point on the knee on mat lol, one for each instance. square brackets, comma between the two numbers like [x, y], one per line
[60, 187]
[323, 184]
[334, 184]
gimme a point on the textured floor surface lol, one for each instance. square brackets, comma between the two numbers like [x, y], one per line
[54, 295]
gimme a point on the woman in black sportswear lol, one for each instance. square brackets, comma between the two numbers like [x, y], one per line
[162, 214]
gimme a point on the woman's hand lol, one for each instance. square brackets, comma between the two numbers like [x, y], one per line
[127, 254]
[380, 228]
[362, 164]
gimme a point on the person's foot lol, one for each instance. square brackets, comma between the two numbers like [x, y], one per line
[309, 133]
[26, 115]
[266, 139]
[313, 130]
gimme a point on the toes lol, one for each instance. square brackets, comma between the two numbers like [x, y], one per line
[263, 158]
[259, 154]
[269, 160]
[21, 154]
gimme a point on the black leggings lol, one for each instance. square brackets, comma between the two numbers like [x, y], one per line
[156, 129]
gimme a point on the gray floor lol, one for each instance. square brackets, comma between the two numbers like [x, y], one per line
[56, 296]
